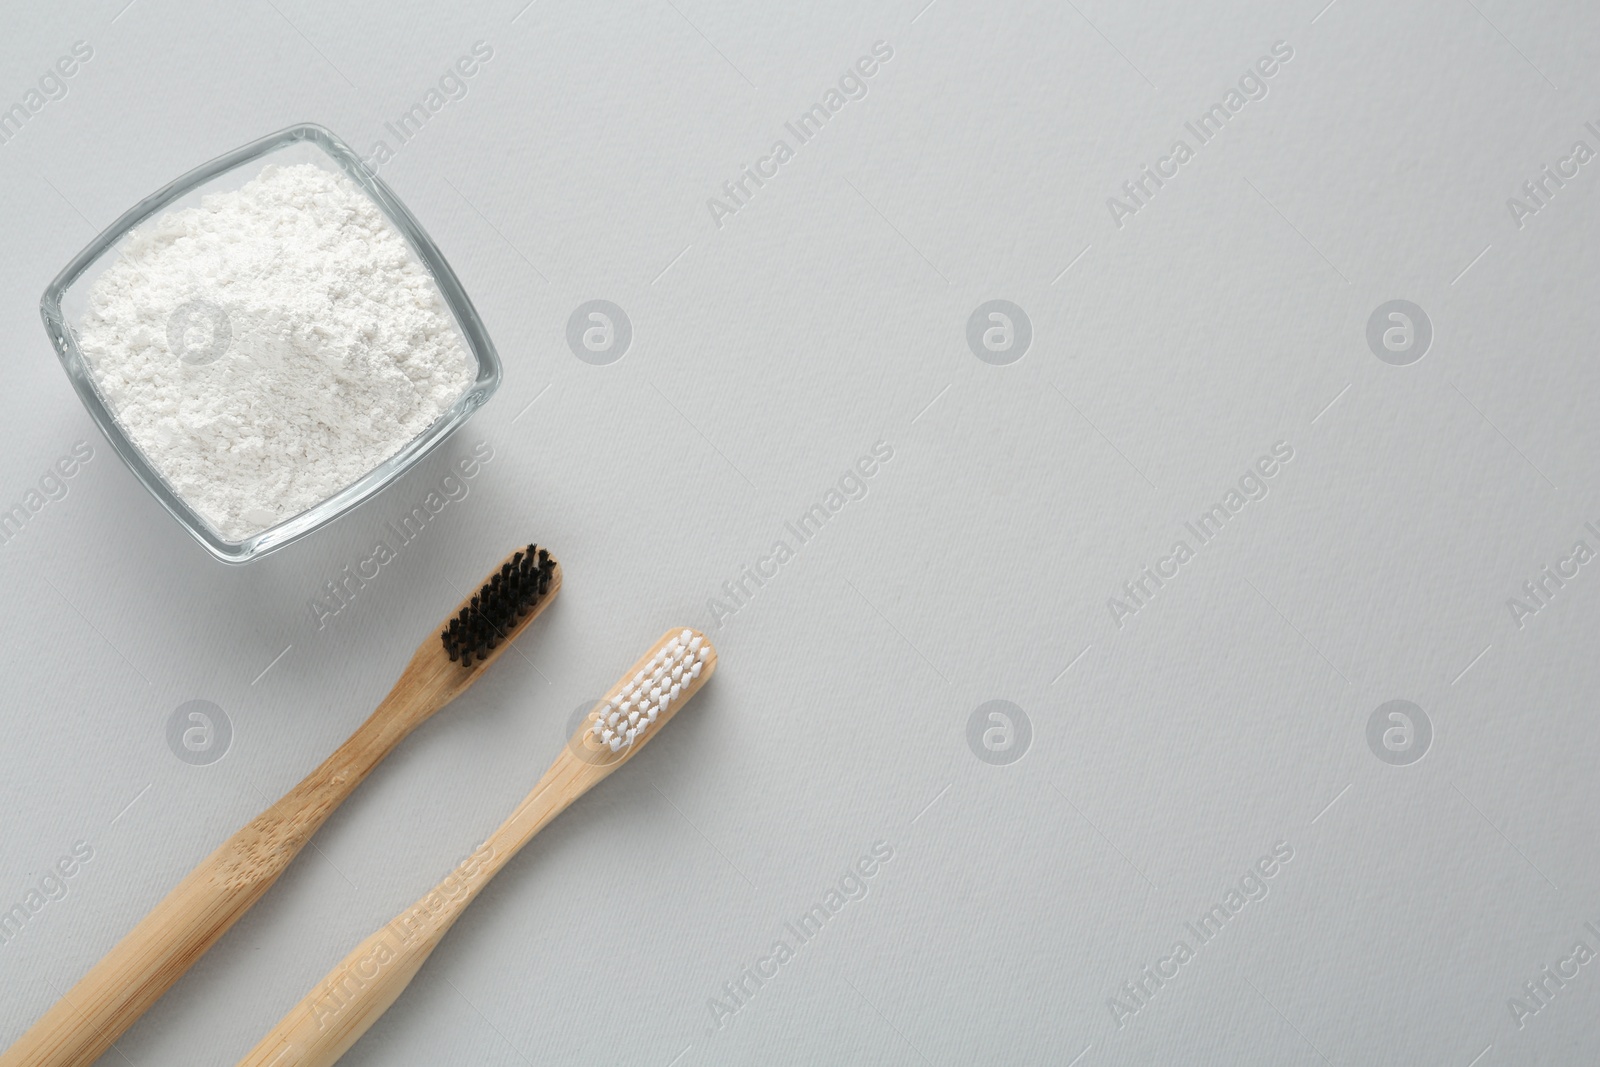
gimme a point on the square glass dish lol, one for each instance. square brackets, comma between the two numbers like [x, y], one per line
[67, 299]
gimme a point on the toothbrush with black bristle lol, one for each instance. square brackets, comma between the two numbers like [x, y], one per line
[346, 1003]
[144, 964]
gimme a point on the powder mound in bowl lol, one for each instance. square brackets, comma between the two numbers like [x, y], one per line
[272, 345]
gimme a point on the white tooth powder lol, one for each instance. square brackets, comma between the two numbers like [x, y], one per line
[269, 347]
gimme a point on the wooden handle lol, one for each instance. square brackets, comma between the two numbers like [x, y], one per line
[144, 964]
[345, 1004]
[342, 1007]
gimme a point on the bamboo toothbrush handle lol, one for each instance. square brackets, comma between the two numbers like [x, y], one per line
[334, 1015]
[345, 1004]
[341, 1008]
[154, 954]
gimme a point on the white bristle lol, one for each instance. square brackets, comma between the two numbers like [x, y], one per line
[627, 717]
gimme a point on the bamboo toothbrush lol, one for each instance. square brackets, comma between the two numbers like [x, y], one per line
[133, 975]
[330, 1019]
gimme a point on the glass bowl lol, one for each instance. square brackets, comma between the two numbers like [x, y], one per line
[66, 299]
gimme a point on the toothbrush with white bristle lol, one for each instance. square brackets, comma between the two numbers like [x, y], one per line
[342, 1007]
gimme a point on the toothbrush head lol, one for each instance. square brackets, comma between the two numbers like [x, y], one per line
[650, 694]
[525, 582]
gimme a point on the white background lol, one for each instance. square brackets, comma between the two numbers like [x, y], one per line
[769, 353]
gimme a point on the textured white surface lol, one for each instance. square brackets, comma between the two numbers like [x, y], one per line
[270, 346]
[778, 358]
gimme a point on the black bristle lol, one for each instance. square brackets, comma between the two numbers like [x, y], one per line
[510, 593]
